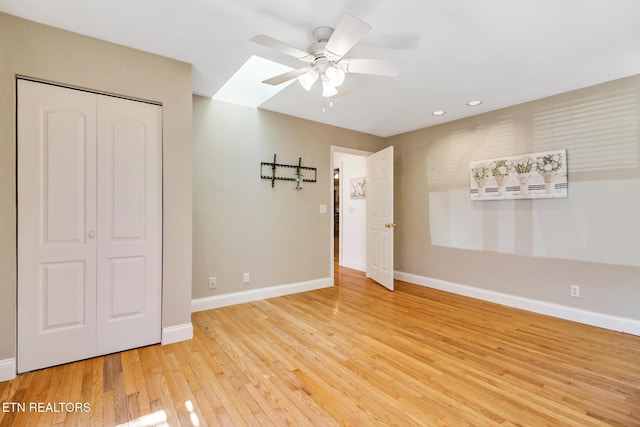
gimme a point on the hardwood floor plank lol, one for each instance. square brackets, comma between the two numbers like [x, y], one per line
[143, 398]
[149, 370]
[175, 395]
[353, 355]
[96, 401]
[126, 363]
[119, 396]
[107, 374]
[108, 409]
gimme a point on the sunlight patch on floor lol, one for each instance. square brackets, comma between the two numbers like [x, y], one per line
[158, 418]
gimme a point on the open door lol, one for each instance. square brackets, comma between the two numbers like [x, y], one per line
[380, 223]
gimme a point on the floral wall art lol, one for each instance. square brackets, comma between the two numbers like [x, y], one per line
[358, 188]
[530, 176]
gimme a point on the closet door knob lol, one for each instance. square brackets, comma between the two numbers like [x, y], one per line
[92, 234]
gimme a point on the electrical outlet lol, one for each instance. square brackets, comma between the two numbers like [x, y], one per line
[212, 282]
[245, 278]
[575, 291]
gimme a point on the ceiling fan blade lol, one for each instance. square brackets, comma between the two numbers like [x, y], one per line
[285, 77]
[379, 67]
[348, 32]
[272, 43]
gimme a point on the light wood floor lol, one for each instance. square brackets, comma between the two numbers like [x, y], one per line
[355, 354]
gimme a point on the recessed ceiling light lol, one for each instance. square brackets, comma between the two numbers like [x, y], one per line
[438, 113]
[474, 102]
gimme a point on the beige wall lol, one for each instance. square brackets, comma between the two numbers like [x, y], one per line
[530, 248]
[42, 52]
[241, 224]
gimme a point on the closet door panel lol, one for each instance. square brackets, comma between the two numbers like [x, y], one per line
[129, 224]
[127, 279]
[63, 151]
[128, 161]
[56, 225]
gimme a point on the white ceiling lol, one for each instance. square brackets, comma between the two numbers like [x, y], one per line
[504, 52]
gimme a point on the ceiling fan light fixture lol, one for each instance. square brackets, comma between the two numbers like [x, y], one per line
[335, 75]
[328, 90]
[325, 57]
[308, 79]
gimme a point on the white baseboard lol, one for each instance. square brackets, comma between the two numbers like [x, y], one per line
[217, 301]
[354, 265]
[177, 333]
[601, 320]
[7, 369]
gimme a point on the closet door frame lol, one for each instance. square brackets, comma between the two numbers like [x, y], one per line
[62, 302]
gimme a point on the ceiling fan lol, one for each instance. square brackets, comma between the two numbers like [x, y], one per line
[326, 59]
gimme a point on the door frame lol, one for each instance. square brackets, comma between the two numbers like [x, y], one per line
[82, 89]
[332, 150]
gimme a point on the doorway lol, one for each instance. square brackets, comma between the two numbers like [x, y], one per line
[364, 207]
[349, 207]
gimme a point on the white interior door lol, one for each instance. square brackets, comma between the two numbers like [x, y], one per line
[129, 224]
[380, 223]
[89, 225]
[56, 226]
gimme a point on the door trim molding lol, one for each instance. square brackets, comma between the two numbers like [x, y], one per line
[84, 89]
[332, 150]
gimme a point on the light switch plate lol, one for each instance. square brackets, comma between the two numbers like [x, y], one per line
[323, 208]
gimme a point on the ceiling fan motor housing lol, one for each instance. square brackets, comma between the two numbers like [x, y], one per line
[322, 34]
[318, 48]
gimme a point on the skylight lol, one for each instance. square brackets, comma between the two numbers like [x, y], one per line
[245, 87]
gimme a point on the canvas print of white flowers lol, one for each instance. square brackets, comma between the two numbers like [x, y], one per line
[530, 176]
[358, 188]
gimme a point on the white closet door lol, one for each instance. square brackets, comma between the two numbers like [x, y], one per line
[56, 225]
[129, 224]
[89, 225]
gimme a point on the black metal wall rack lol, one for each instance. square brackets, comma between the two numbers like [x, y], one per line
[274, 176]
